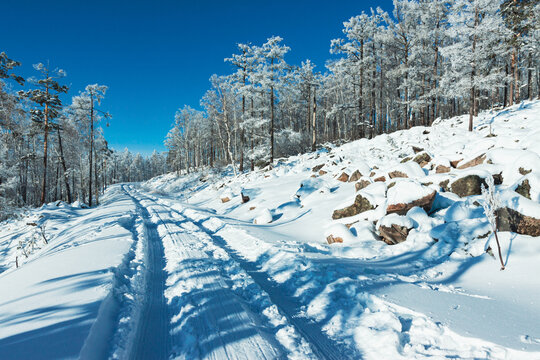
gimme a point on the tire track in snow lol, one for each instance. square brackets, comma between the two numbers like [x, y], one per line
[152, 339]
[322, 346]
[232, 311]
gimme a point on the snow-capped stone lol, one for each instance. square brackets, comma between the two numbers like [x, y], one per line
[394, 228]
[409, 169]
[338, 233]
[226, 195]
[265, 217]
[406, 194]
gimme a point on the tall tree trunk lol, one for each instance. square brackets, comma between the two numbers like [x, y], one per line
[308, 111]
[361, 133]
[96, 185]
[505, 99]
[242, 131]
[529, 78]
[380, 112]
[271, 125]
[64, 167]
[56, 182]
[90, 156]
[473, 75]
[513, 65]
[252, 162]
[313, 121]
[516, 75]
[435, 77]
[45, 151]
[538, 80]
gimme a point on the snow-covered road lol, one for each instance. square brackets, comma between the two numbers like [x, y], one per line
[214, 305]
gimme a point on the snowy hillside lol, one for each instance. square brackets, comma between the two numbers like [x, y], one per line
[377, 249]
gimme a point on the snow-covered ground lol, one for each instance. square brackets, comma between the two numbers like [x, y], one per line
[181, 267]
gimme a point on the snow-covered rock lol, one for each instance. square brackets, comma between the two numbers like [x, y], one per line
[406, 194]
[264, 217]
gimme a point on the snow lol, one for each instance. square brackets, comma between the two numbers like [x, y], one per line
[165, 269]
[60, 292]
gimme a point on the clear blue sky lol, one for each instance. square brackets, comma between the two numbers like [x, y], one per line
[156, 56]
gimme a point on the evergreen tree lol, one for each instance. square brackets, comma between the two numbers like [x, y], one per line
[46, 96]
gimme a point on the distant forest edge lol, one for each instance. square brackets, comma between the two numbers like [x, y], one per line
[50, 151]
[428, 59]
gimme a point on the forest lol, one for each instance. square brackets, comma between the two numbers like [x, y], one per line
[425, 60]
[53, 151]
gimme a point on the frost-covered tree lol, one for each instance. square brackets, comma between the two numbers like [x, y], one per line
[46, 96]
[85, 106]
[270, 75]
[476, 29]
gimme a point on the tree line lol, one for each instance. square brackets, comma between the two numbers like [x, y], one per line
[426, 60]
[50, 151]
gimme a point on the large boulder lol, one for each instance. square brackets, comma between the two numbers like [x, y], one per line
[361, 204]
[394, 228]
[511, 220]
[407, 194]
[468, 185]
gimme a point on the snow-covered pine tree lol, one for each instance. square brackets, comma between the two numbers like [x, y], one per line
[475, 31]
[270, 76]
[46, 97]
[85, 107]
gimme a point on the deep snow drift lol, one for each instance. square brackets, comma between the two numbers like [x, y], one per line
[181, 267]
